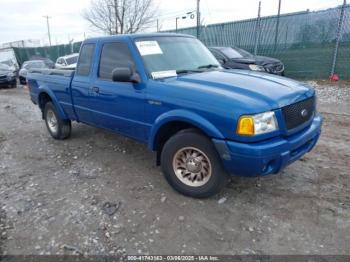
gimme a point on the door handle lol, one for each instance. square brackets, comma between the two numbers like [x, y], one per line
[96, 89]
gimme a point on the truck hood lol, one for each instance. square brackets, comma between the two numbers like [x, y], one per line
[256, 92]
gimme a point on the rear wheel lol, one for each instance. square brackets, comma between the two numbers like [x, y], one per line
[192, 166]
[57, 127]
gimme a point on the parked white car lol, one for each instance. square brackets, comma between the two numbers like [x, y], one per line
[67, 62]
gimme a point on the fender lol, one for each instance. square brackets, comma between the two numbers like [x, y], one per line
[184, 116]
[48, 91]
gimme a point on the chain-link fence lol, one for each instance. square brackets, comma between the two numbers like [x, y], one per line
[304, 41]
[52, 52]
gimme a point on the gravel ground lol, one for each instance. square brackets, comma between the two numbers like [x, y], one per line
[100, 193]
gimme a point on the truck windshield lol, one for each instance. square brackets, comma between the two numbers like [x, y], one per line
[168, 56]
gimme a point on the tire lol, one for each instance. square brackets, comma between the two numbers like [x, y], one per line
[57, 127]
[192, 166]
[22, 80]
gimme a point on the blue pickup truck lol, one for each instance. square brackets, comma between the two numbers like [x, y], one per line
[205, 123]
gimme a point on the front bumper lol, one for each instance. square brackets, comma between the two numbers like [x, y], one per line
[270, 156]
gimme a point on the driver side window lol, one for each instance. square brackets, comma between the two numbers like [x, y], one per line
[114, 55]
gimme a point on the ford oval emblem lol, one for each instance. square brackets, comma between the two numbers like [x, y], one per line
[304, 113]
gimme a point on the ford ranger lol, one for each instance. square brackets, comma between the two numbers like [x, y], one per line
[168, 91]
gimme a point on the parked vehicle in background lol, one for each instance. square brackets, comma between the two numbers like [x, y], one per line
[169, 92]
[67, 62]
[28, 65]
[8, 76]
[13, 66]
[7, 56]
[48, 62]
[237, 58]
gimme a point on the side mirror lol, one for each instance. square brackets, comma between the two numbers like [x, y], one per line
[125, 74]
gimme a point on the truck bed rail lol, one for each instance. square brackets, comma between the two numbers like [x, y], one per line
[58, 72]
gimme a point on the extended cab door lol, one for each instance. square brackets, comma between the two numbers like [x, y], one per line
[118, 106]
[82, 84]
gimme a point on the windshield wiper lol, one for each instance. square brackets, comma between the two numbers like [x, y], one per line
[198, 70]
[187, 71]
[208, 66]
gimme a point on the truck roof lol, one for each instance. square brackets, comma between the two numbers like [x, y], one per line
[133, 36]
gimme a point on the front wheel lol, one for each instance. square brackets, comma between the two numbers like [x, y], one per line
[57, 127]
[192, 166]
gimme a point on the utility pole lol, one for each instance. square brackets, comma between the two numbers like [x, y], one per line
[257, 30]
[48, 27]
[157, 25]
[71, 44]
[198, 17]
[177, 18]
[277, 22]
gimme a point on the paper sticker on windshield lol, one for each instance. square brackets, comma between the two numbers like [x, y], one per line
[149, 48]
[162, 74]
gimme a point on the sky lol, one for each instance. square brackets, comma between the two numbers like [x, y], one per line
[23, 19]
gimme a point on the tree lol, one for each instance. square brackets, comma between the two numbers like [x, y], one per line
[120, 16]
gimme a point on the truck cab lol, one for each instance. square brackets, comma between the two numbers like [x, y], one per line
[168, 91]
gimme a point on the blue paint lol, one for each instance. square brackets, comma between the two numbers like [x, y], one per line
[212, 101]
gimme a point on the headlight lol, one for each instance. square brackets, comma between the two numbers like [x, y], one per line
[256, 68]
[257, 124]
[10, 75]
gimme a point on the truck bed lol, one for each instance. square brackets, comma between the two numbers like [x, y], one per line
[59, 82]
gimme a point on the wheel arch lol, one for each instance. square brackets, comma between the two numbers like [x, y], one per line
[46, 95]
[174, 121]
